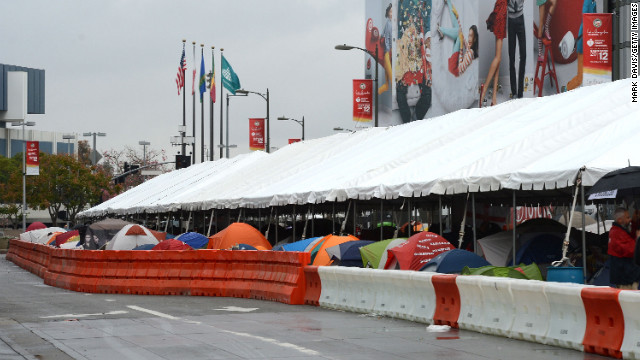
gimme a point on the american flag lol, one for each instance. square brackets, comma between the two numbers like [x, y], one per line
[182, 67]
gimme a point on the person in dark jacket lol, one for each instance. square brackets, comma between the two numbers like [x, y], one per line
[625, 274]
[516, 31]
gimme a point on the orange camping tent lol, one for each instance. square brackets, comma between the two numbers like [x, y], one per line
[322, 258]
[238, 233]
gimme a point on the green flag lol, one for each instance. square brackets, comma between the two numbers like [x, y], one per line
[229, 78]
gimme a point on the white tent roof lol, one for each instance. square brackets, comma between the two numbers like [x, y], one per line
[533, 144]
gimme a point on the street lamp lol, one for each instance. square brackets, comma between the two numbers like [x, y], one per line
[24, 170]
[144, 151]
[227, 135]
[375, 88]
[94, 153]
[301, 122]
[266, 98]
[68, 137]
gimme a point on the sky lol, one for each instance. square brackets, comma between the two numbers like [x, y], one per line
[111, 66]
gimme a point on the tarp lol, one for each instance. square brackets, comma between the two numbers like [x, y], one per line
[417, 251]
[40, 236]
[536, 144]
[238, 233]
[130, 237]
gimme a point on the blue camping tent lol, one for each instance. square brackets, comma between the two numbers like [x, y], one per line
[453, 261]
[300, 245]
[348, 253]
[194, 239]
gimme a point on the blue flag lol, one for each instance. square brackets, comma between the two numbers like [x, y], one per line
[229, 78]
[203, 81]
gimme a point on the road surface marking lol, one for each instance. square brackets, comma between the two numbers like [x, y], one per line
[152, 312]
[237, 309]
[117, 312]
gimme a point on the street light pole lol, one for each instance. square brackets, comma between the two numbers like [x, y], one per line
[266, 98]
[68, 137]
[94, 152]
[24, 171]
[375, 89]
[301, 122]
[144, 151]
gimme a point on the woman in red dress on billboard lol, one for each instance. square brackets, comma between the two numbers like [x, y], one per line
[497, 24]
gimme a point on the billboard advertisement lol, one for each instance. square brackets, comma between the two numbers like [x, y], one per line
[438, 56]
[33, 158]
[256, 134]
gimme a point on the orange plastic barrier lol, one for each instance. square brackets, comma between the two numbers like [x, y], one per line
[265, 275]
[313, 286]
[605, 321]
[447, 300]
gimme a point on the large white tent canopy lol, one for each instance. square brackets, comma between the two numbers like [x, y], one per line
[525, 144]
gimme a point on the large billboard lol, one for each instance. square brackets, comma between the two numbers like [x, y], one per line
[439, 56]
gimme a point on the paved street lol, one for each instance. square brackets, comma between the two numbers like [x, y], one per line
[42, 322]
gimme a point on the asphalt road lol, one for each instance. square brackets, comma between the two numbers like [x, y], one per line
[42, 322]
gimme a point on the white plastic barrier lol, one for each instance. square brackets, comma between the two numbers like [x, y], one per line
[471, 302]
[567, 320]
[422, 303]
[630, 303]
[499, 310]
[330, 292]
[357, 288]
[403, 291]
[532, 310]
[385, 291]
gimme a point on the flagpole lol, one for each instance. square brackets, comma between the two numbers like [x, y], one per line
[221, 109]
[213, 73]
[184, 103]
[202, 110]
[193, 92]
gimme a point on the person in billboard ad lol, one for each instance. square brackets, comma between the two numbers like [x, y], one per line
[516, 31]
[413, 72]
[497, 24]
[386, 61]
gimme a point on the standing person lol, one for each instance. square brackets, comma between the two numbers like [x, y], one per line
[516, 30]
[386, 35]
[544, 26]
[497, 24]
[625, 274]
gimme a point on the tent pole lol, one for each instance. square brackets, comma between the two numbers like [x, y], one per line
[167, 224]
[293, 220]
[313, 216]
[440, 212]
[381, 219]
[259, 219]
[354, 217]
[158, 221]
[409, 218]
[473, 221]
[584, 239]
[277, 225]
[210, 222]
[513, 222]
[333, 218]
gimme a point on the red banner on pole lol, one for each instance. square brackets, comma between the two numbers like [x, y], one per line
[256, 134]
[597, 43]
[291, 141]
[33, 158]
[362, 100]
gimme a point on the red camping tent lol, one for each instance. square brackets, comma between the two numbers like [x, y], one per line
[417, 251]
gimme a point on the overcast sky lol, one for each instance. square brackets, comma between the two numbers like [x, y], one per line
[111, 65]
